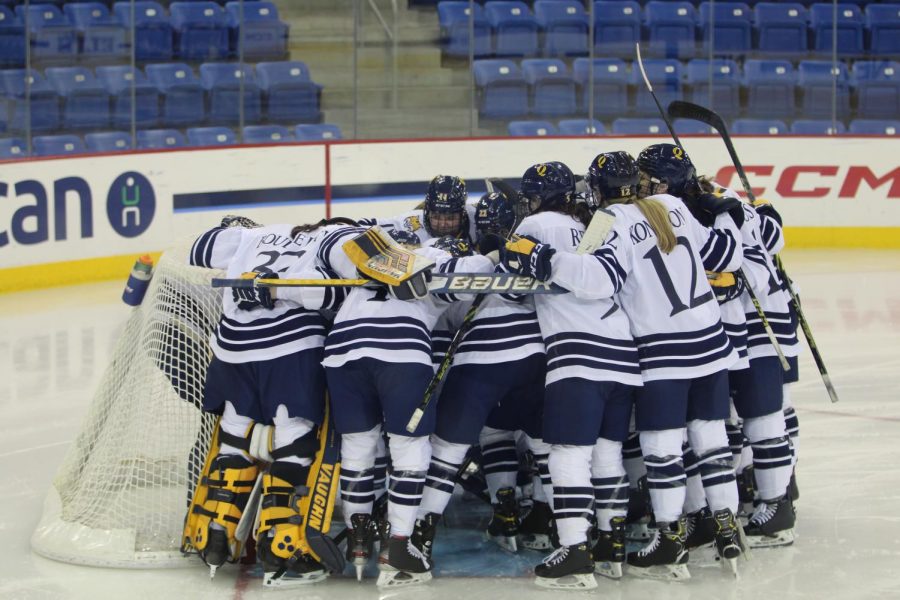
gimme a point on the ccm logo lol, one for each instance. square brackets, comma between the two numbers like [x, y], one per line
[816, 181]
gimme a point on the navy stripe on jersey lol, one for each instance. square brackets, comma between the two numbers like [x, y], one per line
[771, 232]
[448, 267]
[335, 237]
[394, 333]
[201, 251]
[606, 257]
[683, 349]
[502, 333]
[756, 255]
[782, 326]
[718, 250]
[260, 334]
[574, 348]
[440, 343]
[737, 335]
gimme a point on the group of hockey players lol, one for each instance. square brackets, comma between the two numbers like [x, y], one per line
[647, 391]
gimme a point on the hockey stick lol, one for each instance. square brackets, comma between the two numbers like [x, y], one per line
[688, 110]
[740, 272]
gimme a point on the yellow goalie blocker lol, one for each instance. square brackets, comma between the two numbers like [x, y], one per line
[379, 257]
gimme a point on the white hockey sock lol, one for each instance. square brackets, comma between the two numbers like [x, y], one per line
[541, 452]
[771, 454]
[287, 431]
[500, 461]
[665, 472]
[357, 472]
[632, 459]
[609, 481]
[714, 461]
[446, 459]
[410, 457]
[573, 494]
[381, 466]
[695, 497]
[236, 425]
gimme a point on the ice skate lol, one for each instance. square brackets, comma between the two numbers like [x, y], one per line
[424, 532]
[360, 542]
[567, 568]
[793, 489]
[536, 528]
[729, 545]
[609, 551]
[404, 564]
[216, 552]
[746, 492]
[504, 525]
[639, 517]
[772, 524]
[700, 529]
[665, 557]
[278, 573]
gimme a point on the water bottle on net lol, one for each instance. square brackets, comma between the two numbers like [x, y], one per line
[138, 281]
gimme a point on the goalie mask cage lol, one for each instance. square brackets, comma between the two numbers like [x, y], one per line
[121, 494]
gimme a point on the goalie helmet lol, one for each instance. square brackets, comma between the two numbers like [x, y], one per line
[664, 168]
[445, 206]
[613, 176]
[548, 186]
[455, 247]
[405, 238]
[495, 217]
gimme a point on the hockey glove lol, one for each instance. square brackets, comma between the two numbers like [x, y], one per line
[725, 285]
[716, 205]
[414, 288]
[764, 208]
[528, 256]
[248, 298]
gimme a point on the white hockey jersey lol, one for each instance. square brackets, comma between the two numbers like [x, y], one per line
[414, 222]
[372, 324]
[292, 325]
[674, 316]
[586, 334]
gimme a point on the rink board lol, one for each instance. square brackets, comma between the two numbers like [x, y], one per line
[87, 218]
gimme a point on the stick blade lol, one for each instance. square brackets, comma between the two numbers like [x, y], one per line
[679, 109]
[597, 230]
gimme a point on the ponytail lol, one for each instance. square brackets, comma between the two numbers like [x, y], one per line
[657, 215]
[578, 211]
[298, 229]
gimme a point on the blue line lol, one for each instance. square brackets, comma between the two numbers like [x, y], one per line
[230, 207]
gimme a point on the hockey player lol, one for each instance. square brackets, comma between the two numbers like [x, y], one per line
[444, 212]
[266, 371]
[496, 380]
[592, 360]
[658, 251]
[378, 365]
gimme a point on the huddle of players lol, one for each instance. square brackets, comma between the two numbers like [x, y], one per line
[641, 330]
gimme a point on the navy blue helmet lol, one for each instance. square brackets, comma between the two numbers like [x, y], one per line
[454, 246]
[548, 186]
[446, 196]
[407, 238]
[664, 164]
[612, 176]
[495, 217]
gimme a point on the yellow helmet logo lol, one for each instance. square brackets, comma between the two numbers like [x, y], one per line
[541, 170]
[601, 160]
[678, 152]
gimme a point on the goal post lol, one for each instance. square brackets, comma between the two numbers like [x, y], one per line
[120, 496]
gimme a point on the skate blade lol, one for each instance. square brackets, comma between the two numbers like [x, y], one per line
[212, 571]
[730, 565]
[578, 581]
[705, 556]
[782, 538]
[392, 578]
[505, 543]
[537, 541]
[661, 572]
[612, 570]
[359, 571]
[292, 580]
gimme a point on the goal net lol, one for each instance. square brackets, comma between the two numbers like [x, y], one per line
[120, 497]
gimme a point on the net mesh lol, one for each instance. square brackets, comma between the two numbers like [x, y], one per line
[120, 497]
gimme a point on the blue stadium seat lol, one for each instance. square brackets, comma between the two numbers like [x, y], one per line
[453, 17]
[152, 29]
[118, 81]
[314, 133]
[849, 28]
[502, 89]
[691, 127]
[152, 139]
[183, 101]
[665, 77]
[266, 134]
[265, 35]
[626, 126]
[552, 88]
[42, 102]
[565, 26]
[290, 94]
[12, 39]
[53, 40]
[814, 81]
[57, 145]
[671, 28]
[883, 24]
[581, 127]
[515, 28]
[781, 27]
[817, 127]
[223, 83]
[758, 127]
[13, 148]
[610, 83]
[726, 85]
[531, 128]
[101, 36]
[771, 88]
[108, 141]
[875, 127]
[201, 30]
[617, 27]
[211, 136]
[85, 101]
[732, 26]
[877, 89]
